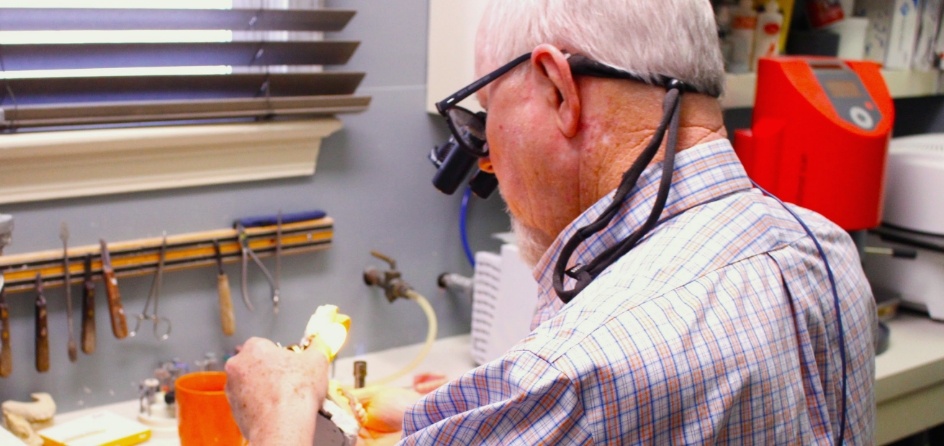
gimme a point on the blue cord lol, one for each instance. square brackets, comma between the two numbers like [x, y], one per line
[463, 234]
[832, 283]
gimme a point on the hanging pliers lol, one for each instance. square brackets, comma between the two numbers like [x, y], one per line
[247, 253]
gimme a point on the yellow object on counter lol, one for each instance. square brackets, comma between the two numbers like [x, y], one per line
[97, 429]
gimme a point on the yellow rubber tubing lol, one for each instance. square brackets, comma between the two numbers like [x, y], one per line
[427, 346]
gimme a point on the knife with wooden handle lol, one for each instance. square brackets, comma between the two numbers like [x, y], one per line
[6, 356]
[119, 326]
[67, 284]
[88, 309]
[42, 329]
[227, 316]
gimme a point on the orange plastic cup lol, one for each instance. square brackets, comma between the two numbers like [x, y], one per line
[203, 413]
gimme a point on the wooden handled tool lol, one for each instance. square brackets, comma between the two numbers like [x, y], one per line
[42, 329]
[119, 325]
[227, 316]
[88, 309]
[67, 284]
[6, 356]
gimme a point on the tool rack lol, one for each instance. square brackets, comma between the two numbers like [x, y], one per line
[185, 251]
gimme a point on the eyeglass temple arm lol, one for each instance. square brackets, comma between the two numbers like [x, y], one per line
[468, 90]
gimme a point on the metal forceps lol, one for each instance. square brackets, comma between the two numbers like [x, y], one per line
[162, 325]
[247, 253]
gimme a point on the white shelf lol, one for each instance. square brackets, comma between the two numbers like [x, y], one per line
[49, 165]
[905, 84]
[740, 89]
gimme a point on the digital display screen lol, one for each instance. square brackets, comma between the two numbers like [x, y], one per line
[843, 89]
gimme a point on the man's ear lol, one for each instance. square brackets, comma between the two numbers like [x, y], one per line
[551, 63]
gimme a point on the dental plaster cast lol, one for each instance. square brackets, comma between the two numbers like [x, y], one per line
[378, 409]
[23, 419]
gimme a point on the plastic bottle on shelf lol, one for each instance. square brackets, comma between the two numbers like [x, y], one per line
[767, 33]
[723, 20]
[824, 12]
[743, 25]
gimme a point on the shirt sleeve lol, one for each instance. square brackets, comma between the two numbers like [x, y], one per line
[517, 399]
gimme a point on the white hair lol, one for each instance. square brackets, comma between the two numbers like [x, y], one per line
[675, 38]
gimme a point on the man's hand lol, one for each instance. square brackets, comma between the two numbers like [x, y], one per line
[275, 393]
[384, 407]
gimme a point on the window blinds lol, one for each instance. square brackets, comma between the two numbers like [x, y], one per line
[258, 63]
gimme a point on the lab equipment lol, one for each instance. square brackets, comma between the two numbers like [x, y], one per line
[136, 257]
[819, 136]
[42, 328]
[156, 408]
[73, 350]
[88, 308]
[811, 116]
[915, 168]
[247, 253]
[394, 288]
[504, 297]
[456, 283]
[119, 325]
[272, 220]
[203, 413]
[227, 316]
[360, 374]
[161, 325]
[914, 218]
[209, 363]
[147, 395]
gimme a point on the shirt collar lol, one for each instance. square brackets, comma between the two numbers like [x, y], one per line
[702, 173]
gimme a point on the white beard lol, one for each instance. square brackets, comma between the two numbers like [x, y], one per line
[531, 243]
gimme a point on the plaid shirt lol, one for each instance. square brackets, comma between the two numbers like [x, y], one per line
[718, 328]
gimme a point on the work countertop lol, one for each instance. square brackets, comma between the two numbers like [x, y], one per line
[909, 387]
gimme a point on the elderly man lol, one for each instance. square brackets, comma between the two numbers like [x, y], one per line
[679, 304]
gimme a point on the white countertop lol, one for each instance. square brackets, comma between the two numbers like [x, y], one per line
[909, 388]
[914, 359]
[448, 356]
[909, 377]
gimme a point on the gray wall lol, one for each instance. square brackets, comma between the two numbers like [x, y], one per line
[372, 178]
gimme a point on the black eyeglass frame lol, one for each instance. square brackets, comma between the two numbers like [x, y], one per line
[579, 65]
[446, 105]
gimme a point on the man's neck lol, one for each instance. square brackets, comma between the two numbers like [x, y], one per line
[614, 141]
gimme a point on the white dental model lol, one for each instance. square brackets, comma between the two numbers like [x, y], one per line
[23, 419]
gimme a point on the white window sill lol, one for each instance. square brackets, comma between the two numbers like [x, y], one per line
[51, 165]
